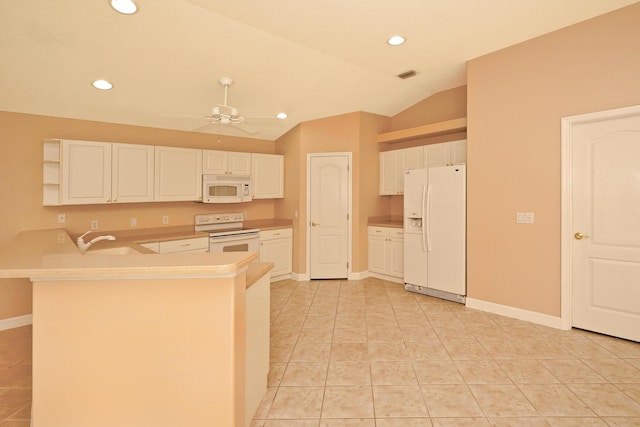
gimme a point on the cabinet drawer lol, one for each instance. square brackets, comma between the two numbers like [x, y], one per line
[183, 245]
[390, 232]
[279, 233]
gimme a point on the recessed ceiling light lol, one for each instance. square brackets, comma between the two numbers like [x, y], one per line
[127, 7]
[396, 40]
[282, 116]
[102, 84]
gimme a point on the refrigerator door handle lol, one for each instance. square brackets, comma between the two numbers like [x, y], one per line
[427, 225]
[422, 229]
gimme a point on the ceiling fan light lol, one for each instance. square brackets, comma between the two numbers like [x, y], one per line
[126, 7]
[102, 84]
[234, 112]
[215, 112]
[396, 40]
[281, 116]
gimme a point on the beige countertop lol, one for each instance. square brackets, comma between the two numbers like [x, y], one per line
[51, 253]
[385, 221]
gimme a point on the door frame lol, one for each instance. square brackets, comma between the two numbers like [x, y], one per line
[349, 208]
[566, 228]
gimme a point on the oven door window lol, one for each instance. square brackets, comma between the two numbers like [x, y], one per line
[240, 247]
[223, 190]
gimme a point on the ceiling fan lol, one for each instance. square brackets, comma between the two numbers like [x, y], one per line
[224, 114]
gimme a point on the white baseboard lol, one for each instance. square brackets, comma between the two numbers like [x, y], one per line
[300, 277]
[358, 275]
[387, 278]
[516, 313]
[16, 322]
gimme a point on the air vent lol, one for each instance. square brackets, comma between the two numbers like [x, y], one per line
[407, 74]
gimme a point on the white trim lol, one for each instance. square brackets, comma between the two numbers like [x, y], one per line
[387, 278]
[516, 313]
[349, 207]
[566, 227]
[16, 322]
[300, 277]
[358, 275]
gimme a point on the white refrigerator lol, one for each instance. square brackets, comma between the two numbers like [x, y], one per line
[435, 232]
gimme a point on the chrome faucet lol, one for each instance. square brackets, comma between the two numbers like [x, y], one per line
[84, 246]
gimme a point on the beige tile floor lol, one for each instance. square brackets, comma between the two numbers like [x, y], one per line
[369, 354]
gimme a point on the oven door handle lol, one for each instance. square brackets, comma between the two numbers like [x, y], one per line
[234, 238]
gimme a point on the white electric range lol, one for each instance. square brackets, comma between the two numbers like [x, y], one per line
[227, 234]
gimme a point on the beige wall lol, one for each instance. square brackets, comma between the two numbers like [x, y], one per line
[21, 137]
[516, 98]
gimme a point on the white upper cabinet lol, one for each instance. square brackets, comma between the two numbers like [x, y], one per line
[132, 173]
[446, 153]
[392, 166]
[86, 172]
[267, 176]
[178, 174]
[226, 163]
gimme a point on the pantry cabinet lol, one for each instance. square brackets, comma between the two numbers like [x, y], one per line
[276, 247]
[89, 172]
[226, 162]
[178, 174]
[392, 166]
[386, 252]
[267, 176]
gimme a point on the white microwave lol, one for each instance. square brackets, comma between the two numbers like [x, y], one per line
[226, 188]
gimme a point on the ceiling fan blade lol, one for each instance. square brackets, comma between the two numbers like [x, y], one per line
[203, 127]
[246, 127]
[187, 116]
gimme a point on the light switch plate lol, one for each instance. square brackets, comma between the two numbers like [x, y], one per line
[524, 217]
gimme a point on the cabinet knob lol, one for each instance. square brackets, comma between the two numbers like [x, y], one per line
[108, 200]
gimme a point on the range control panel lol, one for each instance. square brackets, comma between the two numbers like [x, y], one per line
[218, 218]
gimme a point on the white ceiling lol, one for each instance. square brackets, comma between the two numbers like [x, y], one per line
[312, 59]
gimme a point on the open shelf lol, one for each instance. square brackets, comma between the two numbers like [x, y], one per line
[432, 129]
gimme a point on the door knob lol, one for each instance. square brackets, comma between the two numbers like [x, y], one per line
[313, 224]
[580, 236]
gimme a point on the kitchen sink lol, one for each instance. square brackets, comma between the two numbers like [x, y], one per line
[120, 250]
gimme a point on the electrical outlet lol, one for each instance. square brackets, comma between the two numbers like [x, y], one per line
[524, 217]
[134, 222]
[165, 219]
[95, 224]
[62, 218]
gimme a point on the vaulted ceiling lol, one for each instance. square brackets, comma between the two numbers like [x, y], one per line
[310, 59]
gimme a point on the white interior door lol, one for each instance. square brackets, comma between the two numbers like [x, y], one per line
[328, 216]
[605, 218]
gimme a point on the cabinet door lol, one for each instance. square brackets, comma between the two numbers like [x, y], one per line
[277, 251]
[226, 162]
[388, 173]
[132, 173]
[408, 158]
[378, 254]
[178, 174]
[239, 163]
[458, 152]
[436, 155]
[267, 176]
[396, 253]
[86, 172]
[214, 162]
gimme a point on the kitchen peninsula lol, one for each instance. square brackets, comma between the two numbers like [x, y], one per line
[135, 339]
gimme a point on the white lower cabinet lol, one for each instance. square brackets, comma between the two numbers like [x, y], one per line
[386, 252]
[276, 247]
[193, 244]
[257, 344]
